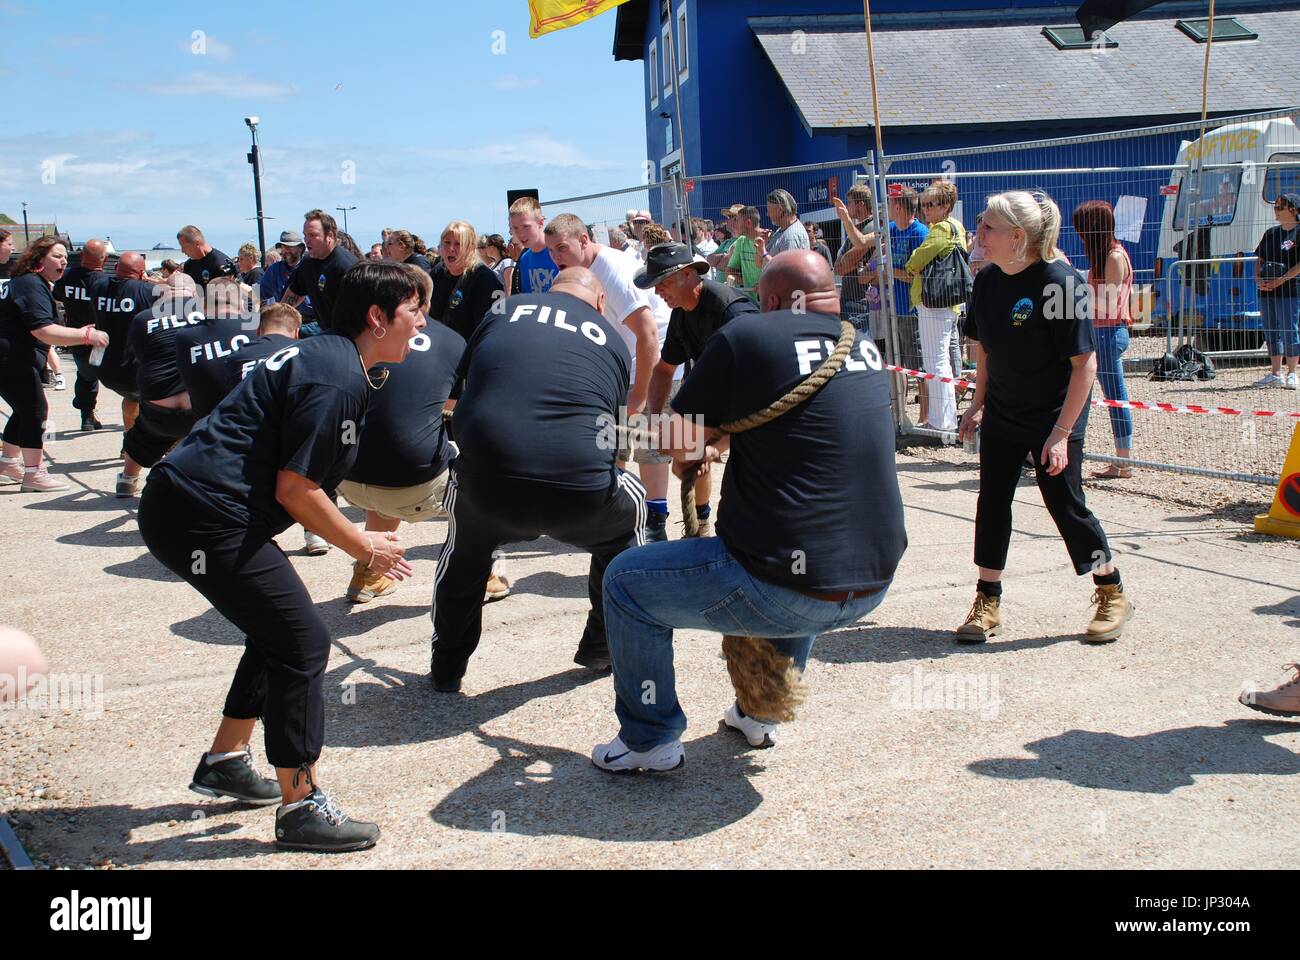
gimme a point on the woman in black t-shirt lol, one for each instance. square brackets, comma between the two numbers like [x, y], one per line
[1030, 315]
[260, 461]
[1277, 273]
[29, 326]
[405, 247]
[464, 287]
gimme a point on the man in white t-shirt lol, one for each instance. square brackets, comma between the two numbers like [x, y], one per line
[644, 317]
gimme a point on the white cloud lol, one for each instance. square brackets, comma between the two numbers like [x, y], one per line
[200, 83]
[526, 152]
[513, 82]
[212, 47]
[73, 41]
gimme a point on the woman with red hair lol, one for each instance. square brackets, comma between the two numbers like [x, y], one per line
[1110, 275]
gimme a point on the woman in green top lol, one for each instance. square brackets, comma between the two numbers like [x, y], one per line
[938, 326]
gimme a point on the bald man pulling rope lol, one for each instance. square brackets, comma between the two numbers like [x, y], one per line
[810, 528]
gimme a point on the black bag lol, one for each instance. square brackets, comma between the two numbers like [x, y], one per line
[1186, 363]
[947, 281]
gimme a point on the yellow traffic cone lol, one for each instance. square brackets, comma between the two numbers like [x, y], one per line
[1283, 518]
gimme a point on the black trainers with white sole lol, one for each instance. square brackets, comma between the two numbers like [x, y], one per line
[235, 778]
[316, 823]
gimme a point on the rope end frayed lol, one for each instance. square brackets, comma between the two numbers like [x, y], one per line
[768, 685]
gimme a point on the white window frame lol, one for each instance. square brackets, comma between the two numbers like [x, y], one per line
[652, 62]
[683, 46]
[666, 78]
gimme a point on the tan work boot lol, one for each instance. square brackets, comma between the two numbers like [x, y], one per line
[498, 588]
[1284, 701]
[1113, 611]
[983, 621]
[367, 586]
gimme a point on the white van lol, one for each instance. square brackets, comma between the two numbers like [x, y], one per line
[1222, 214]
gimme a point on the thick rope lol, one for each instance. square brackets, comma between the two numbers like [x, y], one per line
[768, 685]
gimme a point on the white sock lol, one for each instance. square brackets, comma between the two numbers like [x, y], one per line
[11, 459]
[212, 758]
[290, 807]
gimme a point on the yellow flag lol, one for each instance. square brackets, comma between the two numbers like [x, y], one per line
[547, 16]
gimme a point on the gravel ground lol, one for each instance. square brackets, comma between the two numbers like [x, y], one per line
[1032, 751]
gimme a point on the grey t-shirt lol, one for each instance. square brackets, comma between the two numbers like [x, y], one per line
[793, 237]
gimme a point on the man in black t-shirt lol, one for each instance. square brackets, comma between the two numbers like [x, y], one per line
[205, 263]
[699, 307]
[116, 300]
[544, 381]
[165, 414]
[203, 349]
[810, 528]
[401, 468]
[319, 274]
[74, 291]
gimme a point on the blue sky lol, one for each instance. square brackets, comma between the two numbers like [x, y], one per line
[124, 119]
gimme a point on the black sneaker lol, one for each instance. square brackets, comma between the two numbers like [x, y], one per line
[445, 676]
[89, 424]
[593, 658]
[47, 377]
[236, 778]
[656, 528]
[318, 824]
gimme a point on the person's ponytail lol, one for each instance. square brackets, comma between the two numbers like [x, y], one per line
[1050, 216]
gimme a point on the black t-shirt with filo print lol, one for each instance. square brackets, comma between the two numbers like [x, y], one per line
[404, 443]
[1029, 325]
[544, 381]
[810, 500]
[74, 291]
[302, 410]
[116, 302]
[201, 352]
[26, 304]
[320, 280]
[151, 345]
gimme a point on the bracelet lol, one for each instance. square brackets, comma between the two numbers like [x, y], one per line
[1065, 430]
[85, 334]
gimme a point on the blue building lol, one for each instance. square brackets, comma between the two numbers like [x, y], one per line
[766, 84]
[764, 87]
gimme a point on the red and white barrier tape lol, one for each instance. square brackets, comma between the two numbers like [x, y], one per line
[1128, 404]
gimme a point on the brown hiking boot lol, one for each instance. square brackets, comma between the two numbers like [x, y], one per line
[1113, 611]
[983, 621]
[498, 588]
[367, 586]
[1284, 701]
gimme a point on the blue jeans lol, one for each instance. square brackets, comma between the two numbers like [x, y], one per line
[310, 329]
[1281, 325]
[1111, 344]
[696, 585]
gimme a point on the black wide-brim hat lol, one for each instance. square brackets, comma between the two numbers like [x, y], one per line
[664, 260]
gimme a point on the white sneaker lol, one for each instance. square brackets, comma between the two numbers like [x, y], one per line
[59, 382]
[128, 486]
[1267, 380]
[761, 735]
[1292, 381]
[315, 546]
[616, 757]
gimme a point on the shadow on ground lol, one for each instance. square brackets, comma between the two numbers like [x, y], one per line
[533, 790]
[1158, 762]
[870, 643]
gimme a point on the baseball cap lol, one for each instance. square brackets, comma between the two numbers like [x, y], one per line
[291, 238]
[732, 210]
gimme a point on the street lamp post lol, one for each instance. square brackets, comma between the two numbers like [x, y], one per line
[345, 216]
[27, 233]
[255, 158]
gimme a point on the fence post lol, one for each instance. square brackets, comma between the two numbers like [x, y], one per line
[886, 274]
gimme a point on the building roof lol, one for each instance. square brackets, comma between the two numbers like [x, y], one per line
[963, 76]
[630, 29]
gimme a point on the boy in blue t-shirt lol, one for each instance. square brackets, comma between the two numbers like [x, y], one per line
[536, 270]
[906, 233]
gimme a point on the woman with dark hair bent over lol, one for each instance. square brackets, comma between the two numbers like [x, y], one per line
[259, 462]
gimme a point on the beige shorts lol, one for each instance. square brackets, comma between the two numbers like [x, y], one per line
[643, 455]
[413, 504]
